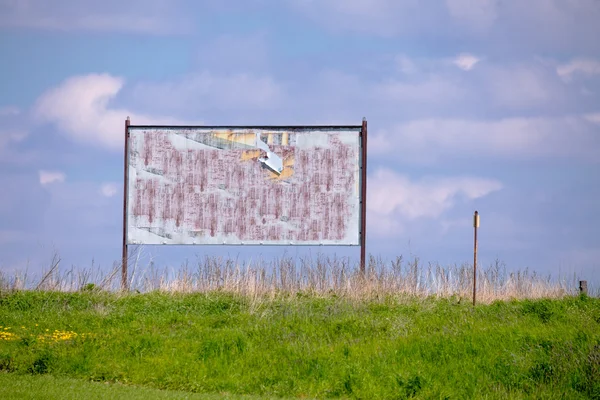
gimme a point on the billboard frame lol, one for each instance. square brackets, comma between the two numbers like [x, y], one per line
[362, 177]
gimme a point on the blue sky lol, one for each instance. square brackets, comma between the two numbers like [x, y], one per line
[484, 105]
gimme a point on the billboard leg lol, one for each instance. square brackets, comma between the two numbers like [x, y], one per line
[125, 186]
[363, 206]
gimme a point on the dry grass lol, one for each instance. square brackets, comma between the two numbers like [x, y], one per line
[323, 276]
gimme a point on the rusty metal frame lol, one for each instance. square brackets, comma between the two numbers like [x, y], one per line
[291, 127]
[363, 200]
[362, 175]
[125, 195]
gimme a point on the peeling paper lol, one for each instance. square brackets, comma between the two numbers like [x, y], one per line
[207, 186]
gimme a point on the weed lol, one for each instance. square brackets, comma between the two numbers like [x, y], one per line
[326, 276]
[542, 309]
[411, 387]
[6, 363]
[41, 364]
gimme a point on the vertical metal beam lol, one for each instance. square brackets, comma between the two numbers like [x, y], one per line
[363, 204]
[125, 193]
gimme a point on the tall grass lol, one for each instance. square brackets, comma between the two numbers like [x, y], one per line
[320, 276]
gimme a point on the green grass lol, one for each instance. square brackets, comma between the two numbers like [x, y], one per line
[303, 346]
[47, 387]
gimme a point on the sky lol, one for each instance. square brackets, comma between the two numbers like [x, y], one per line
[481, 105]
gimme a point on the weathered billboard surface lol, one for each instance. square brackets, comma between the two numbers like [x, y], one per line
[272, 185]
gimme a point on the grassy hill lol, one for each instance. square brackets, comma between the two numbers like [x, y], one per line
[303, 345]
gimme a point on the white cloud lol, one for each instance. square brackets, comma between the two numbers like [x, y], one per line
[11, 154]
[405, 64]
[11, 136]
[430, 140]
[229, 75]
[229, 52]
[451, 224]
[479, 15]
[11, 131]
[532, 25]
[466, 61]
[426, 87]
[569, 26]
[108, 189]
[154, 17]
[393, 17]
[435, 89]
[594, 117]
[394, 198]
[79, 107]
[9, 111]
[48, 177]
[575, 67]
[206, 89]
[520, 86]
[382, 17]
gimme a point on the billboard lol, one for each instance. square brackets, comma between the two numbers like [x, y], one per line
[244, 185]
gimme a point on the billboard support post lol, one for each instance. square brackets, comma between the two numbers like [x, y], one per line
[363, 206]
[125, 187]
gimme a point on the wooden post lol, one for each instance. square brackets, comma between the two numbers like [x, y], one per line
[475, 226]
[583, 287]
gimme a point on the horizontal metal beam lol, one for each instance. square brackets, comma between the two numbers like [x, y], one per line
[278, 127]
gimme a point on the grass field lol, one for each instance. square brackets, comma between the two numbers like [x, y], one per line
[48, 387]
[300, 345]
